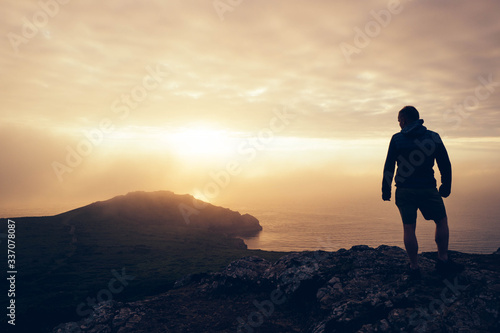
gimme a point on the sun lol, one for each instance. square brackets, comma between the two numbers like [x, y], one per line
[200, 141]
[196, 144]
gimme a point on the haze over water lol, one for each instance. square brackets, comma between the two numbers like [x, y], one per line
[300, 227]
[474, 226]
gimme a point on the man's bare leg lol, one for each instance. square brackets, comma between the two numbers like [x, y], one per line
[442, 238]
[411, 244]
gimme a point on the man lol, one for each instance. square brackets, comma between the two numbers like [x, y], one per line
[414, 150]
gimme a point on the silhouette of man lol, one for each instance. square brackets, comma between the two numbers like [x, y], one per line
[414, 150]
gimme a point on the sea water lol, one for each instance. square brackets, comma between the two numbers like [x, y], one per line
[293, 229]
[473, 228]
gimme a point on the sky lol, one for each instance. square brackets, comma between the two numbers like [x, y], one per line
[239, 102]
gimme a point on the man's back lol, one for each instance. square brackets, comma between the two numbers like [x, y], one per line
[414, 150]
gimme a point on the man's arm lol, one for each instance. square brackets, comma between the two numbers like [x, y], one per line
[389, 167]
[444, 165]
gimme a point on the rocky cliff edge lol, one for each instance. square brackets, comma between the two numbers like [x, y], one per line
[362, 289]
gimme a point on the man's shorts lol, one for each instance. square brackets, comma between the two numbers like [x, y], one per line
[428, 200]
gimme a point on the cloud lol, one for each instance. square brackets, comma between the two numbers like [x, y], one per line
[232, 74]
[288, 49]
[27, 155]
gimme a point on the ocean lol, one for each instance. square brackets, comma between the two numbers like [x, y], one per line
[473, 228]
[293, 229]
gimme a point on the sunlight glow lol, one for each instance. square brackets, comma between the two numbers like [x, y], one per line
[197, 194]
[200, 141]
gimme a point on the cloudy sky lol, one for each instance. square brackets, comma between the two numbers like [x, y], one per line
[238, 101]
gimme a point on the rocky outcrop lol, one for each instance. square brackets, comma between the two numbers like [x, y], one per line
[171, 210]
[358, 290]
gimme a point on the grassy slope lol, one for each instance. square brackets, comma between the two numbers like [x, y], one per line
[61, 263]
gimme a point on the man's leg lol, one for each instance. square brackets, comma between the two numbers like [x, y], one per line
[442, 238]
[411, 244]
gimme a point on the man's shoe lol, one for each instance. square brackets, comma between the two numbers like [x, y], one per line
[414, 274]
[448, 267]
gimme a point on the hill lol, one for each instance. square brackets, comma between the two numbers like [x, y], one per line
[124, 249]
[164, 208]
[358, 290]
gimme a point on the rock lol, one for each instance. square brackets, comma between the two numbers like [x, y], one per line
[297, 271]
[68, 328]
[358, 290]
[241, 274]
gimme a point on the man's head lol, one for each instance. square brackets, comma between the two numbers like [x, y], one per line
[407, 115]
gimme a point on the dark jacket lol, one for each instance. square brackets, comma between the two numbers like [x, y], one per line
[414, 150]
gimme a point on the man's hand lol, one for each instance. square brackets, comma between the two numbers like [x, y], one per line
[444, 191]
[386, 196]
